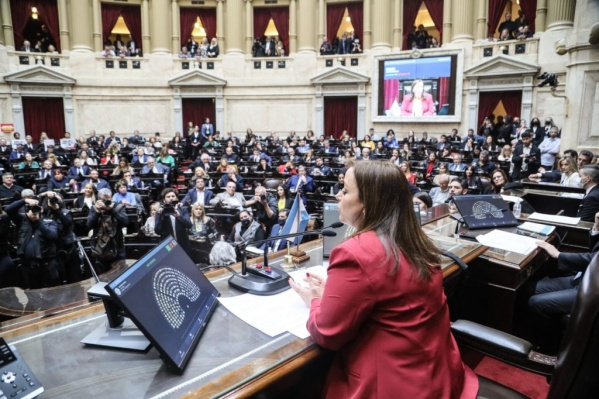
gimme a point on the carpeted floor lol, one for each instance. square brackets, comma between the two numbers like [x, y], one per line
[532, 385]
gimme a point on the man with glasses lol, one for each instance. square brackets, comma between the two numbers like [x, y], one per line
[589, 206]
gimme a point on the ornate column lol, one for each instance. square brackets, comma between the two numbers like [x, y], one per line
[160, 26]
[322, 31]
[97, 18]
[82, 39]
[481, 19]
[1, 33]
[447, 21]
[145, 26]
[234, 26]
[397, 24]
[306, 14]
[560, 14]
[6, 20]
[367, 39]
[293, 26]
[176, 27]
[249, 26]
[220, 22]
[541, 19]
[63, 22]
[381, 24]
[463, 16]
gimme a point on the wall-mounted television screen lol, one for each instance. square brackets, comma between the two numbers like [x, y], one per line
[417, 87]
[169, 299]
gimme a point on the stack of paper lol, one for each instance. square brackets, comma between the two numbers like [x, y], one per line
[508, 242]
[544, 217]
[537, 228]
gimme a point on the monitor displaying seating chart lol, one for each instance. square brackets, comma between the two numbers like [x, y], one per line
[169, 299]
[484, 211]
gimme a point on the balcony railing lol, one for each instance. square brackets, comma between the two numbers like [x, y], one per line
[24, 59]
[527, 49]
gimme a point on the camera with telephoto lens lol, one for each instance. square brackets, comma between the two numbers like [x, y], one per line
[262, 197]
[53, 200]
[169, 209]
[35, 209]
[107, 202]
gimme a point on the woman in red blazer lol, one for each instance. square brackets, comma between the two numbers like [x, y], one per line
[418, 103]
[381, 305]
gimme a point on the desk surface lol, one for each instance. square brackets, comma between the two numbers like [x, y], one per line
[231, 358]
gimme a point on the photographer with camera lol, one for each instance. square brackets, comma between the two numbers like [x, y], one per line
[7, 267]
[107, 220]
[173, 219]
[36, 244]
[258, 49]
[526, 158]
[264, 207]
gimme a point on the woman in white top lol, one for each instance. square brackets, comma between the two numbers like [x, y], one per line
[506, 156]
[570, 176]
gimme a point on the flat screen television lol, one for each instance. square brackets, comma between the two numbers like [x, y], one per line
[413, 88]
[169, 299]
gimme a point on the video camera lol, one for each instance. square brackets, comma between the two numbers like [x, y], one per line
[547, 79]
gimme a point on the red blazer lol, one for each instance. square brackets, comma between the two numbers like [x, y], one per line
[391, 332]
[428, 107]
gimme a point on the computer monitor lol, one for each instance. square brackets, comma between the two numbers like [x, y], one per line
[169, 299]
[484, 211]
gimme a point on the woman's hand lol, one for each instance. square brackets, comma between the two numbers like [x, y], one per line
[312, 287]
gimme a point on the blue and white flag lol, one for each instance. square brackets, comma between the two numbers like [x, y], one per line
[295, 224]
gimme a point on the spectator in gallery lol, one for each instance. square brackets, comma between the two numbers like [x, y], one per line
[417, 103]
[521, 20]
[344, 46]
[269, 47]
[203, 48]
[326, 48]
[421, 37]
[108, 52]
[508, 25]
[505, 35]
[184, 53]
[192, 46]
[434, 43]
[26, 47]
[213, 49]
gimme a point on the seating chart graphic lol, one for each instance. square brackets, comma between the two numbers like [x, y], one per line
[174, 292]
[484, 209]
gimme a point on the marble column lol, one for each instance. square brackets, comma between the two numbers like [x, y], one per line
[82, 38]
[306, 14]
[249, 26]
[234, 26]
[481, 19]
[160, 26]
[145, 26]
[560, 14]
[322, 29]
[397, 25]
[97, 25]
[367, 39]
[447, 21]
[541, 19]
[176, 27]
[6, 20]
[63, 22]
[293, 27]
[220, 23]
[463, 17]
[381, 24]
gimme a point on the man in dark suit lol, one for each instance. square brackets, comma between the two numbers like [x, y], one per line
[527, 157]
[554, 298]
[195, 142]
[589, 206]
[78, 171]
[269, 47]
[198, 194]
[29, 146]
[92, 140]
[153, 167]
[17, 154]
[5, 149]
[94, 178]
[174, 224]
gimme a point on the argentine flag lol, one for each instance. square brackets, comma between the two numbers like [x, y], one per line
[295, 224]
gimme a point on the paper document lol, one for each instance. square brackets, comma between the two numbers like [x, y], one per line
[508, 242]
[544, 217]
[572, 195]
[274, 314]
[537, 228]
[511, 198]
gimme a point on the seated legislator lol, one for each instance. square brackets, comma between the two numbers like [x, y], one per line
[94, 178]
[417, 103]
[278, 244]
[301, 181]
[589, 206]
[87, 198]
[229, 198]
[202, 226]
[199, 194]
[381, 306]
[122, 196]
[246, 230]
[58, 181]
[441, 193]
[233, 176]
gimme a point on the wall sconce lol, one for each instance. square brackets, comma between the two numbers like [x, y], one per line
[34, 13]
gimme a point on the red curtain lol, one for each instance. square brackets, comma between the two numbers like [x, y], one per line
[487, 101]
[187, 19]
[43, 115]
[334, 18]
[208, 18]
[20, 12]
[391, 92]
[110, 13]
[435, 9]
[356, 13]
[529, 8]
[443, 92]
[410, 12]
[261, 19]
[280, 16]
[496, 8]
[196, 109]
[340, 113]
[48, 14]
[132, 17]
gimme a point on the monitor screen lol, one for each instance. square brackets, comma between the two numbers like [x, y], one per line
[484, 211]
[417, 87]
[169, 299]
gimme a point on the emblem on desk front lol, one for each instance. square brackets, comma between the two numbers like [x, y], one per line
[174, 292]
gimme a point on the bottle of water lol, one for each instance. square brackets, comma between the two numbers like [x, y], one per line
[517, 210]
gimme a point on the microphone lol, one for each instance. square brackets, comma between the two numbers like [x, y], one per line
[263, 279]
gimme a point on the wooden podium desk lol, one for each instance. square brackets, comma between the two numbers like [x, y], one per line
[232, 359]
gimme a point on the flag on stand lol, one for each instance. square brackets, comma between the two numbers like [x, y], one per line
[297, 220]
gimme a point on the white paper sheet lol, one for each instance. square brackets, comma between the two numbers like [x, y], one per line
[508, 241]
[544, 217]
[274, 314]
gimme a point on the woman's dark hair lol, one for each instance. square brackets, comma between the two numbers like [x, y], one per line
[424, 197]
[388, 211]
[166, 191]
[505, 179]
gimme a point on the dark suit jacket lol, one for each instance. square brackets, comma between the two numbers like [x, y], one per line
[101, 184]
[192, 196]
[534, 161]
[73, 174]
[578, 262]
[589, 205]
[164, 228]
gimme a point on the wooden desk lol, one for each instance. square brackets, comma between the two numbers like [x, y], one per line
[574, 238]
[231, 360]
[552, 187]
[551, 202]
